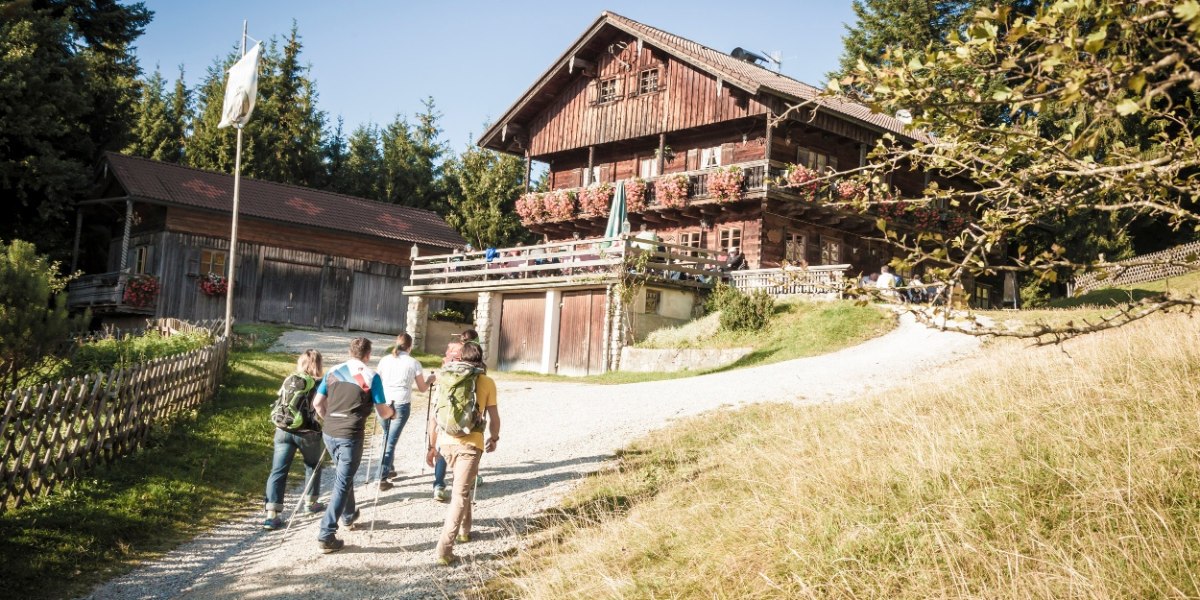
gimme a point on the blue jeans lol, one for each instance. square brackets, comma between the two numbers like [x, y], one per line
[346, 454]
[391, 434]
[439, 471]
[286, 444]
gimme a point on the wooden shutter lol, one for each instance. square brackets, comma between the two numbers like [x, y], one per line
[693, 160]
[727, 154]
[593, 92]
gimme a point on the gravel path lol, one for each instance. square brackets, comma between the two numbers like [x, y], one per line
[531, 470]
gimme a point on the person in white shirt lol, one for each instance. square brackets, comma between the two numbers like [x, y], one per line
[399, 372]
[886, 282]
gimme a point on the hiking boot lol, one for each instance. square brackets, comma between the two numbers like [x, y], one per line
[388, 475]
[462, 538]
[440, 494]
[330, 545]
[385, 485]
[317, 507]
[273, 523]
[448, 561]
[351, 520]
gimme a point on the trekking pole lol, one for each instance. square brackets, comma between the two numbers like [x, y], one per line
[378, 473]
[428, 417]
[303, 495]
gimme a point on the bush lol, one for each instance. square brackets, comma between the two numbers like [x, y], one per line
[33, 311]
[719, 298]
[120, 353]
[742, 312]
[448, 314]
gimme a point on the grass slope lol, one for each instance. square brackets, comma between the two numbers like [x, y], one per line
[1026, 473]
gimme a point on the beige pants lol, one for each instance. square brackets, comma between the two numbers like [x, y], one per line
[465, 462]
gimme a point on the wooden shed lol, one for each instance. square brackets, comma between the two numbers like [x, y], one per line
[305, 257]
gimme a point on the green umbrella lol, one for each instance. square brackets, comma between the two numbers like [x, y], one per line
[617, 223]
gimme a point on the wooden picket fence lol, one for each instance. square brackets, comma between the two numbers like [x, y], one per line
[55, 432]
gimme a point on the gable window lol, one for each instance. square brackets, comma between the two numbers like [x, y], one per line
[710, 157]
[817, 161]
[212, 261]
[793, 248]
[691, 239]
[831, 251]
[648, 81]
[730, 238]
[141, 259]
[648, 167]
[610, 90]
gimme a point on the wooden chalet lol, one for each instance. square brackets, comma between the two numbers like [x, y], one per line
[305, 257]
[704, 141]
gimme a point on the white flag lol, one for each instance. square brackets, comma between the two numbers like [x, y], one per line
[241, 87]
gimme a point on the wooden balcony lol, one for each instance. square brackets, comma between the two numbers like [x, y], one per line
[103, 293]
[580, 263]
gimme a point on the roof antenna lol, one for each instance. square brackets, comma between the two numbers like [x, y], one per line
[775, 57]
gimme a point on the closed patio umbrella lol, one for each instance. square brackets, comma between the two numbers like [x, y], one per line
[616, 214]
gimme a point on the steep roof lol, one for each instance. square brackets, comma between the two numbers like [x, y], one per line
[747, 76]
[176, 185]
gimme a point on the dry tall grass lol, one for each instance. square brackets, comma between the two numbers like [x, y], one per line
[1047, 473]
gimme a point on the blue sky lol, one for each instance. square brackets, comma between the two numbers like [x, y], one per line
[372, 59]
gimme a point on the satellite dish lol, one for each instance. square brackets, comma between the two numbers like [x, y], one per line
[904, 116]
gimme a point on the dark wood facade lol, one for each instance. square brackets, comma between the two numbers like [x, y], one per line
[628, 100]
[291, 269]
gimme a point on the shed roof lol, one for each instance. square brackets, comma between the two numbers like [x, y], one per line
[747, 76]
[171, 184]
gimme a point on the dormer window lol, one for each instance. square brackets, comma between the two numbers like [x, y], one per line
[609, 90]
[648, 81]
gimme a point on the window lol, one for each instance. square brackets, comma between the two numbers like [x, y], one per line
[731, 238]
[591, 176]
[831, 251]
[710, 157]
[141, 259]
[609, 90]
[648, 167]
[793, 248]
[648, 81]
[691, 239]
[653, 299]
[212, 261]
[817, 161]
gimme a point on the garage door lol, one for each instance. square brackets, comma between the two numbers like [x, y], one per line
[290, 293]
[522, 318]
[377, 303]
[581, 334]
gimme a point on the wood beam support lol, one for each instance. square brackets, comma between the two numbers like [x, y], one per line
[662, 150]
[584, 65]
[591, 166]
[125, 234]
[528, 170]
[510, 129]
[78, 234]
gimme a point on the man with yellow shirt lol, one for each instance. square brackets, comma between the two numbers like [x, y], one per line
[462, 454]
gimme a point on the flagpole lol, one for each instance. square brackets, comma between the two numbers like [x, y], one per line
[237, 180]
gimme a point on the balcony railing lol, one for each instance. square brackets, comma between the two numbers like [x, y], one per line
[576, 261]
[104, 291]
[824, 281]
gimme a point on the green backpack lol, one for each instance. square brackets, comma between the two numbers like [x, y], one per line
[293, 410]
[456, 411]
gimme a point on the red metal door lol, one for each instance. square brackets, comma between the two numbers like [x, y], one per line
[522, 318]
[581, 333]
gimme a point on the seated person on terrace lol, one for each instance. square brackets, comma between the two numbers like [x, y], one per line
[736, 260]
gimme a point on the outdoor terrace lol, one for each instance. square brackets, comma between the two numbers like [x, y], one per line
[104, 292]
[600, 261]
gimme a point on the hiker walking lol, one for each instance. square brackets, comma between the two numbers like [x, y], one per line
[399, 372]
[296, 428]
[453, 354]
[344, 399]
[466, 406]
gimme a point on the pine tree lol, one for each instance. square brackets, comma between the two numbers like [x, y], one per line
[412, 154]
[362, 173]
[179, 109]
[333, 156]
[153, 133]
[67, 89]
[483, 189]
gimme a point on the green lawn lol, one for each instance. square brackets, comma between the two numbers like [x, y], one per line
[206, 468]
